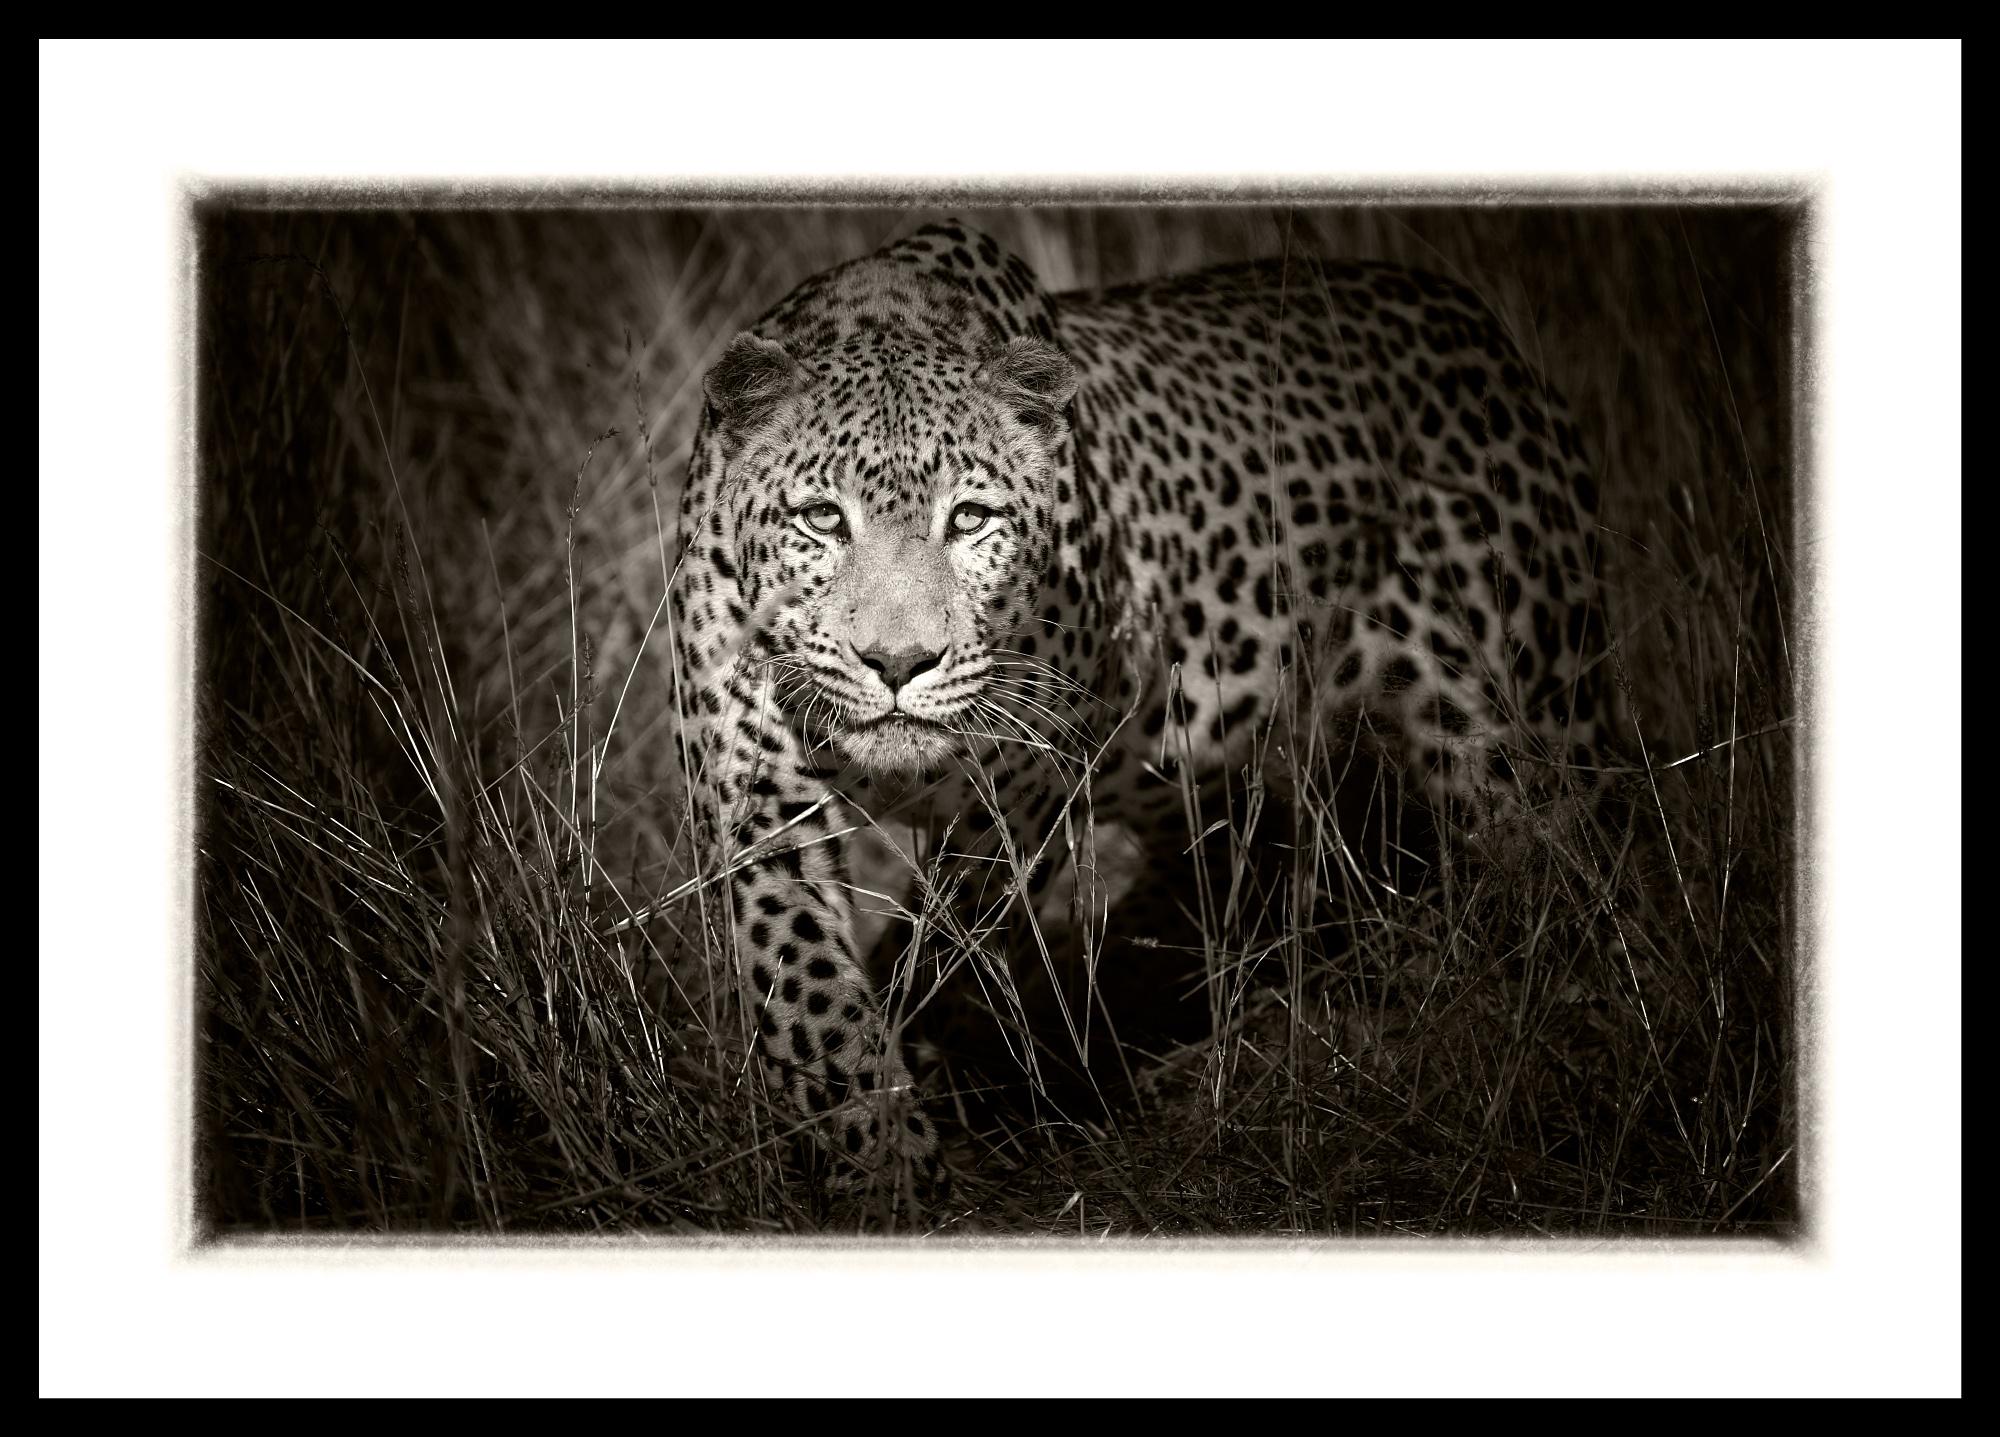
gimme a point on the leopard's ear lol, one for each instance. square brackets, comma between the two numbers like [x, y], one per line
[748, 384]
[1032, 378]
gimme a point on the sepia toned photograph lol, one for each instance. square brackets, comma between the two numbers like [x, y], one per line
[1114, 720]
[1139, 718]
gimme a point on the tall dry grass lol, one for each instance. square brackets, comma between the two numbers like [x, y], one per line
[455, 963]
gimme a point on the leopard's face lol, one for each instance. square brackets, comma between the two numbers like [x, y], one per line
[896, 518]
[908, 586]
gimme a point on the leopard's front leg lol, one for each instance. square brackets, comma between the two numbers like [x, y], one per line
[776, 828]
[819, 1022]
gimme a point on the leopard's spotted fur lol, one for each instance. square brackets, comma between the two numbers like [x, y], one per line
[942, 527]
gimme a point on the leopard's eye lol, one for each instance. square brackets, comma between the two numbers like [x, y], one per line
[970, 518]
[823, 518]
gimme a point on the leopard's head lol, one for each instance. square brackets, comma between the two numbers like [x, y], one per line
[892, 505]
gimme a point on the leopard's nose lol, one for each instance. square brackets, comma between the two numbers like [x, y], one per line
[898, 666]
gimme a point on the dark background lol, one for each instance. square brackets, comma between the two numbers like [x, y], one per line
[423, 549]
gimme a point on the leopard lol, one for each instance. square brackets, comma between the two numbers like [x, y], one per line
[1054, 562]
